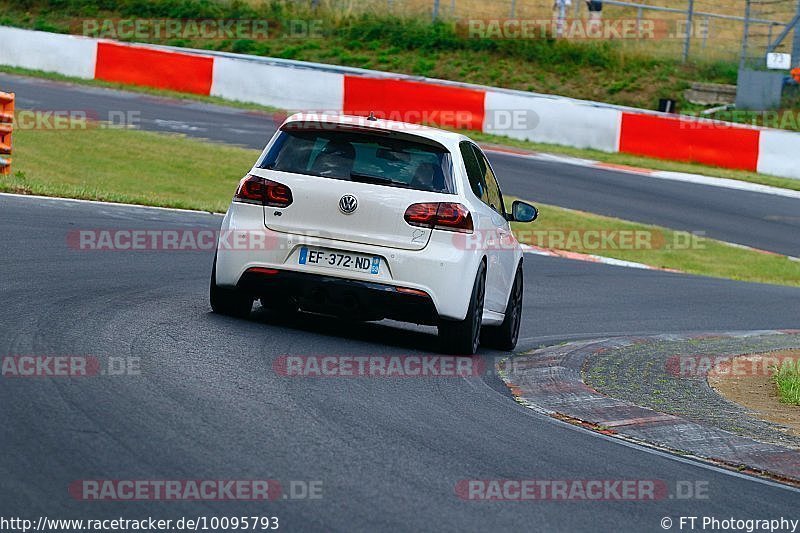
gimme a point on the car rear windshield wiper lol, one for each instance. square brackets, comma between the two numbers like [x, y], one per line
[366, 178]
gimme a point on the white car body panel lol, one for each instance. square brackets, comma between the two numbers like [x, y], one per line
[434, 261]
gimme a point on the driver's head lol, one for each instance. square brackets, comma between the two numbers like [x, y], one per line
[428, 177]
[336, 159]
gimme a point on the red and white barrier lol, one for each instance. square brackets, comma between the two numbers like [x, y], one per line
[285, 88]
[296, 85]
[151, 67]
[49, 52]
[552, 120]
[778, 153]
[691, 140]
[415, 101]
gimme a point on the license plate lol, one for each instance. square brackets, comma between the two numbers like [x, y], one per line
[368, 264]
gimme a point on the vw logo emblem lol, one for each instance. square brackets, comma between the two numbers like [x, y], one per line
[348, 203]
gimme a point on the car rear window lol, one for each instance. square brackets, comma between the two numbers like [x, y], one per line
[366, 157]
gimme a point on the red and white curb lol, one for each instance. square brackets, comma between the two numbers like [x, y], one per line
[550, 382]
[588, 258]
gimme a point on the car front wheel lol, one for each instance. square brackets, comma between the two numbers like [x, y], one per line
[463, 336]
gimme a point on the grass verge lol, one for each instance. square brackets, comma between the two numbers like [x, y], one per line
[175, 171]
[616, 159]
[127, 166]
[587, 233]
[787, 378]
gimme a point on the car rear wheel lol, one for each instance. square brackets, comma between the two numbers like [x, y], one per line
[504, 337]
[462, 337]
[230, 302]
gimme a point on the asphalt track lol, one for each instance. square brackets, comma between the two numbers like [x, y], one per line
[754, 219]
[389, 452]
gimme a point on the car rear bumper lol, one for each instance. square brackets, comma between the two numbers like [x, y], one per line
[443, 269]
[346, 297]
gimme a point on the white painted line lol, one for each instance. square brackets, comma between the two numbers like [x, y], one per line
[620, 262]
[765, 252]
[110, 204]
[590, 258]
[726, 183]
[574, 256]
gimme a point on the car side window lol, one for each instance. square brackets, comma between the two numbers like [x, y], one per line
[474, 173]
[494, 198]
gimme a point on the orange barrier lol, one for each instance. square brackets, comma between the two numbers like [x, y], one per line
[796, 74]
[690, 140]
[6, 128]
[151, 67]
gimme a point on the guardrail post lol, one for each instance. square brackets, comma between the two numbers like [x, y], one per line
[6, 127]
[796, 40]
[689, 31]
[561, 5]
[639, 16]
[746, 35]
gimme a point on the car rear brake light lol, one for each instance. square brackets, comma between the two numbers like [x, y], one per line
[414, 292]
[262, 270]
[261, 191]
[443, 215]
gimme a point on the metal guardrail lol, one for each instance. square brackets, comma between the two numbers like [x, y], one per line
[691, 14]
[449, 7]
[701, 14]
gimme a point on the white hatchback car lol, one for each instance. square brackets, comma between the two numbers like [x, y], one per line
[372, 219]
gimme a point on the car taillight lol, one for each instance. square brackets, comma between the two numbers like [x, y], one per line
[261, 191]
[444, 215]
[264, 271]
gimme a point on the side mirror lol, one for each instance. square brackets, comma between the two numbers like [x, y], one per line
[522, 212]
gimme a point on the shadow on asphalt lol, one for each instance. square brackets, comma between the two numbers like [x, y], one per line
[387, 333]
[381, 333]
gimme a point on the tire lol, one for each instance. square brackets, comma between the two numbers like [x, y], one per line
[504, 337]
[229, 302]
[462, 337]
